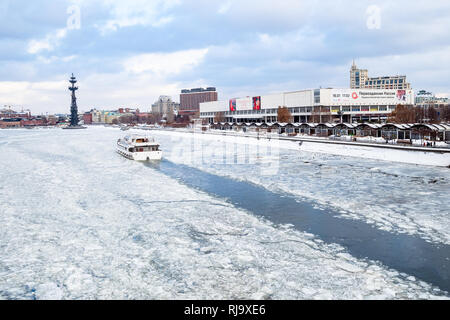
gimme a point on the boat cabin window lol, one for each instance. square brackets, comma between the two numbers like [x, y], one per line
[144, 149]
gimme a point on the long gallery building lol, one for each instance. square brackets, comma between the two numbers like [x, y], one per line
[312, 105]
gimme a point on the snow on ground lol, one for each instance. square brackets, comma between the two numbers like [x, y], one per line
[392, 196]
[384, 154]
[379, 140]
[80, 222]
[375, 153]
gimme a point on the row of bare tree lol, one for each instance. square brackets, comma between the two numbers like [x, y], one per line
[133, 119]
[149, 119]
[420, 114]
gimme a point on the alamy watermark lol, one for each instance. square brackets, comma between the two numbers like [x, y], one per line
[373, 13]
[260, 152]
[74, 19]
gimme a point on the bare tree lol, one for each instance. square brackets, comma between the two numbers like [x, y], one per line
[445, 113]
[433, 116]
[316, 115]
[220, 117]
[419, 114]
[284, 115]
[403, 114]
[125, 119]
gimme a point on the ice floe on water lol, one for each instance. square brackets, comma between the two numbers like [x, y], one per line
[394, 197]
[80, 222]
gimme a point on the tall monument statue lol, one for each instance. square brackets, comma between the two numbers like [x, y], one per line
[74, 108]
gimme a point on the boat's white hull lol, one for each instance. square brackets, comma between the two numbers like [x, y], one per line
[141, 156]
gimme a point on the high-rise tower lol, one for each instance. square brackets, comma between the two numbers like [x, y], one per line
[359, 79]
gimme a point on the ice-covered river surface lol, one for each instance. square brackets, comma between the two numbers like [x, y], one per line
[78, 221]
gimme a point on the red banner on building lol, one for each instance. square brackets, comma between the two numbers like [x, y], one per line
[256, 103]
[232, 104]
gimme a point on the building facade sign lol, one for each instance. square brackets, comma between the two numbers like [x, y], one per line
[372, 96]
[244, 104]
[256, 103]
[232, 105]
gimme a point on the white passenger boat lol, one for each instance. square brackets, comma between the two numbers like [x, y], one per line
[139, 148]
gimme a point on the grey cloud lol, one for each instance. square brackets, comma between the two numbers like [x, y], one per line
[253, 46]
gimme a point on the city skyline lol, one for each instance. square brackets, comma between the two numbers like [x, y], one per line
[130, 54]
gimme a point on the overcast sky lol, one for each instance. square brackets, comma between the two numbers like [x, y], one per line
[127, 53]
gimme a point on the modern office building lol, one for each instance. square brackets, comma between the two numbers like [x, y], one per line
[164, 105]
[424, 97]
[359, 79]
[313, 105]
[190, 99]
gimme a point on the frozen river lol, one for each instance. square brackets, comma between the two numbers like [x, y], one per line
[80, 222]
